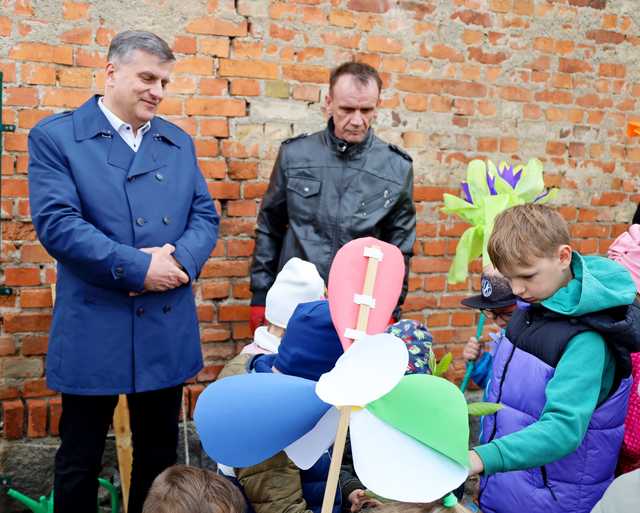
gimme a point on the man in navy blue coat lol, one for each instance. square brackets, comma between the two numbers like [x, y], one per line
[118, 200]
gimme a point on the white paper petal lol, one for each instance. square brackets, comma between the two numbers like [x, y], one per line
[396, 466]
[369, 369]
[305, 451]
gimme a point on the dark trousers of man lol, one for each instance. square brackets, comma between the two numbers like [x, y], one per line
[84, 423]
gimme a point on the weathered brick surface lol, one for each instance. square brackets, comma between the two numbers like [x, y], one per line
[503, 79]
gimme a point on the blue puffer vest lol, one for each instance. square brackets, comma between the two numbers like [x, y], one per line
[521, 371]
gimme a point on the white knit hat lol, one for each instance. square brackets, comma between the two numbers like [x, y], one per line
[297, 282]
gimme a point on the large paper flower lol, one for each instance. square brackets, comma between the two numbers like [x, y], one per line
[487, 191]
[419, 420]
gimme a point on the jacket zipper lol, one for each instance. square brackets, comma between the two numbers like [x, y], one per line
[545, 480]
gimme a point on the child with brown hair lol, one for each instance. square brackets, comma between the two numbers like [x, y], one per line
[562, 373]
[183, 489]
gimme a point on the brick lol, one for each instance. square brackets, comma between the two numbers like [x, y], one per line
[418, 85]
[8, 70]
[277, 89]
[75, 10]
[254, 190]
[342, 18]
[37, 74]
[224, 190]
[41, 52]
[606, 36]
[375, 6]
[78, 36]
[104, 36]
[242, 291]
[306, 92]
[247, 49]
[34, 345]
[440, 51]
[464, 89]
[240, 247]
[612, 70]
[241, 170]
[15, 142]
[214, 86]
[185, 44]
[306, 73]
[218, 27]
[215, 107]
[75, 77]
[215, 290]
[477, 54]
[608, 199]
[69, 98]
[214, 127]
[515, 94]
[560, 97]
[470, 17]
[17, 187]
[574, 66]
[222, 268]
[248, 69]
[384, 44]
[218, 47]
[196, 65]
[35, 298]
[16, 276]
[7, 346]
[36, 418]
[234, 312]
[5, 26]
[90, 59]
[13, 419]
[25, 323]
[344, 41]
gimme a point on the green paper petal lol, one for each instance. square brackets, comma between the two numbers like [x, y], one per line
[531, 184]
[469, 247]
[431, 410]
[477, 180]
[459, 207]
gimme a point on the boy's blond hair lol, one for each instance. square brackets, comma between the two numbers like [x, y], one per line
[526, 231]
[183, 489]
[431, 507]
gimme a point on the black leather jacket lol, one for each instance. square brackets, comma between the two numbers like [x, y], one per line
[324, 193]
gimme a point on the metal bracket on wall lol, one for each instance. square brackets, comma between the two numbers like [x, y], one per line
[4, 291]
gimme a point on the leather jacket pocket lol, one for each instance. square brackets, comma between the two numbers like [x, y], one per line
[381, 201]
[303, 198]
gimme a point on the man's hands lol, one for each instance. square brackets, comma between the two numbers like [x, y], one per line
[471, 350]
[164, 271]
[359, 499]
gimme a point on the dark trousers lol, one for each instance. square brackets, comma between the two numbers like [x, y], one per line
[84, 423]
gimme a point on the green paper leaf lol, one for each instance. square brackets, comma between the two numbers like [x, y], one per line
[443, 365]
[469, 247]
[433, 363]
[431, 410]
[549, 197]
[483, 408]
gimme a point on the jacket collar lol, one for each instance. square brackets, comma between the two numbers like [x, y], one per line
[345, 149]
[89, 121]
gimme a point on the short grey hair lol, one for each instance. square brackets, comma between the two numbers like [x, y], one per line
[126, 42]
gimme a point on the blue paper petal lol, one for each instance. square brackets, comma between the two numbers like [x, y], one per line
[243, 420]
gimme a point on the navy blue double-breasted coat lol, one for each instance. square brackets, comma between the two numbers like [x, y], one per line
[94, 202]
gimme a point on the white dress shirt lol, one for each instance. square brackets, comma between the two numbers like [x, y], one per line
[125, 130]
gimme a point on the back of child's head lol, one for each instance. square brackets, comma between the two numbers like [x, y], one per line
[526, 232]
[183, 489]
[418, 340]
[626, 251]
[310, 346]
[297, 282]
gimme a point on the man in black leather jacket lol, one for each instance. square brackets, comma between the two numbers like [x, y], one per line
[333, 186]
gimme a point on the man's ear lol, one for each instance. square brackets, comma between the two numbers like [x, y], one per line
[328, 103]
[565, 254]
[109, 72]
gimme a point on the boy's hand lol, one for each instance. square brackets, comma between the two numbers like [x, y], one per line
[477, 467]
[471, 349]
[359, 499]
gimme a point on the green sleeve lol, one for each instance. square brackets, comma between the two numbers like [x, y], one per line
[582, 380]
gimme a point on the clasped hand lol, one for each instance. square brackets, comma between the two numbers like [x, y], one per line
[165, 272]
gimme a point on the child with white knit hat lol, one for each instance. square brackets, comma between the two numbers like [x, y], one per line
[297, 282]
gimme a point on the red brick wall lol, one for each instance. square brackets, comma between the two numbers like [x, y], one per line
[505, 79]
